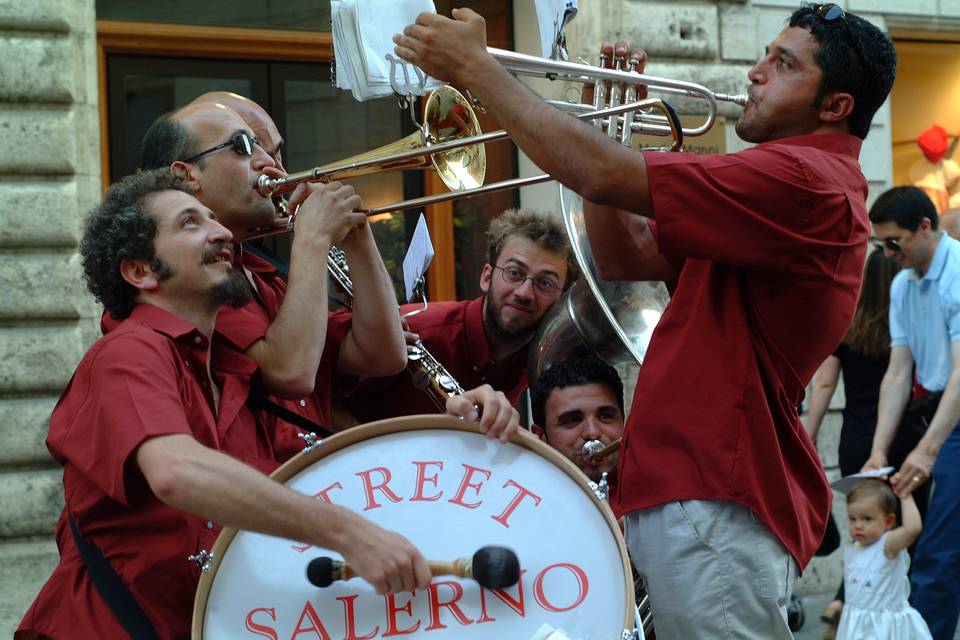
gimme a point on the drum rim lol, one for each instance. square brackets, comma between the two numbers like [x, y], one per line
[402, 424]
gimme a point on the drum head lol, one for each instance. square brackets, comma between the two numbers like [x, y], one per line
[450, 491]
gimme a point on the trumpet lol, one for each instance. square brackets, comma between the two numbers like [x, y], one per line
[450, 126]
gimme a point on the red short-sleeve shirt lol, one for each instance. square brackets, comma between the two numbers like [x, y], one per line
[773, 241]
[244, 326]
[453, 332]
[146, 378]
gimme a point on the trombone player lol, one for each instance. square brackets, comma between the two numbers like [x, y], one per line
[723, 492]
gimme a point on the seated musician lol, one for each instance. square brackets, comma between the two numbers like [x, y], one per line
[577, 401]
[299, 348]
[158, 447]
[484, 342]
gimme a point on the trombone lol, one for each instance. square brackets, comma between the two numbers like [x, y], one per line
[450, 135]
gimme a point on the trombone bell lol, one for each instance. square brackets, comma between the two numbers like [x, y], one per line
[447, 117]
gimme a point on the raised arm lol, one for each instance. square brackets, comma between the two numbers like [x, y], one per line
[573, 152]
[191, 477]
[908, 531]
[374, 345]
[894, 395]
[918, 466]
[289, 353]
[824, 385]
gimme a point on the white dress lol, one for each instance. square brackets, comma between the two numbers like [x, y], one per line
[876, 591]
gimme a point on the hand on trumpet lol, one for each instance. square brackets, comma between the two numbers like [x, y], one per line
[619, 55]
[325, 212]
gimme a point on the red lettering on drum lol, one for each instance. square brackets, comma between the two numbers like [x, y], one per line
[322, 496]
[369, 487]
[350, 622]
[517, 499]
[583, 586]
[468, 473]
[316, 626]
[393, 628]
[435, 604]
[259, 629]
[423, 478]
[517, 605]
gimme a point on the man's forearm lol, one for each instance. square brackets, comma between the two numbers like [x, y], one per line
[894, 395]
[573, 152]
[290, 352]
[375, 344]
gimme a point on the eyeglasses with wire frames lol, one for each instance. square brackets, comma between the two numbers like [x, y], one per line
[890, 245]
[516, 277]
[241, 142]
[830, 12]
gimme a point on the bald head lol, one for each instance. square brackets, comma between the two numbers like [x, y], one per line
[254, 115]
[950, 222]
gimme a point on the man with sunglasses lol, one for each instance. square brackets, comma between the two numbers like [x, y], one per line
[925, 339]
[723, 491]
[484, 342]
[286, 328]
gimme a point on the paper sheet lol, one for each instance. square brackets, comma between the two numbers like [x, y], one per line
[846, 484]
[553, 16]
[418, 258]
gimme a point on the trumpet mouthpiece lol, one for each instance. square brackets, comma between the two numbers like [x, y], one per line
[591, 449]
[266, 186]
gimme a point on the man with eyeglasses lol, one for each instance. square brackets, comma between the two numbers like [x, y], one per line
[925, 339]
[286, 328]
[484, 342]
[722, 490]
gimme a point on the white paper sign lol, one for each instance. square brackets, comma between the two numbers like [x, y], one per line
[846, 484]
[553, 16]
[418, 258]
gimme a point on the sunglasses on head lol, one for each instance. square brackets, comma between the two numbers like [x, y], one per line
[241, 142]
[829, 12]
[890, 245]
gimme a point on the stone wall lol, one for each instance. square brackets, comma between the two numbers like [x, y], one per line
[49, 175]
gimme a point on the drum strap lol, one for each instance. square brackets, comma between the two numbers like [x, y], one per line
[112, 589]
[297, 420]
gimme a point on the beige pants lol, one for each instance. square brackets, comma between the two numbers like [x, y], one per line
[713, 570]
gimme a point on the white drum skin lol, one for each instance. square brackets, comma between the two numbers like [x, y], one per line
[450, 491]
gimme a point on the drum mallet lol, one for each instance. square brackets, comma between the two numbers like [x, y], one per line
[491, 567]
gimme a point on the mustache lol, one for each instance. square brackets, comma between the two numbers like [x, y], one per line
[211, 251]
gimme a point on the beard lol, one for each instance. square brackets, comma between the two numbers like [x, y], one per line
[234, 291]
[498, 330]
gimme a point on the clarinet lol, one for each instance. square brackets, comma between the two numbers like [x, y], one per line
[429, 375]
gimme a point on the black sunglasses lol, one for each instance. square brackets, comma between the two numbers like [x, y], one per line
[830, 12]
[890, 245]
[242, 144]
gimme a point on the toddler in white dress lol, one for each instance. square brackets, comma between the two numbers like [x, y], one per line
[875, 567]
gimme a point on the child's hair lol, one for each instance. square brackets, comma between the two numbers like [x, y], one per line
[877, 491]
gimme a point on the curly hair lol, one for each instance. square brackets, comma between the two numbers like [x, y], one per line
[121, 229]
[855, 57]
[569, 373]
[541, 228]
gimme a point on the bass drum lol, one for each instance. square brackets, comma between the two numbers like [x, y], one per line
[450, 491]
[613, 319]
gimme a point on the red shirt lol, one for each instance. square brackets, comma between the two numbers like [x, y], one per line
[145, 379]
[244, 326]
[453, 332]
[773, 240]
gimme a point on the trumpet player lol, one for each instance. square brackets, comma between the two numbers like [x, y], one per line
[286, 327]
[723, 492]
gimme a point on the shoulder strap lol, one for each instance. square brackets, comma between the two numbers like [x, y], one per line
[112, 589]
[259, 402]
